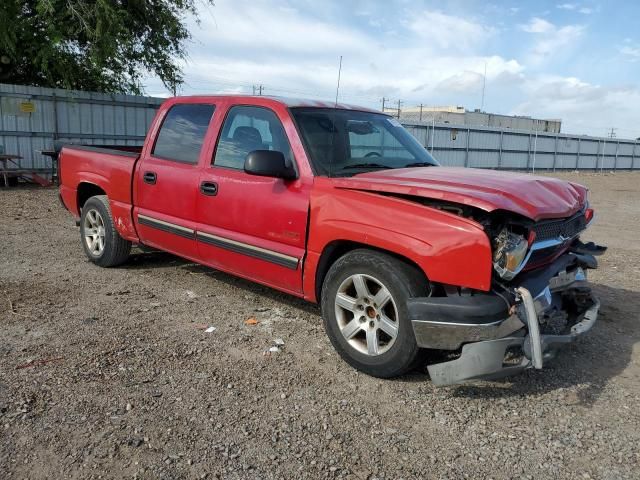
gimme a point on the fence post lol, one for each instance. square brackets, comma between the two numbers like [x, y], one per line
[466, 155]
[633, 155]
[529, 154]
[578, 157]
[555, 153]
[615, 160]
[500, 151]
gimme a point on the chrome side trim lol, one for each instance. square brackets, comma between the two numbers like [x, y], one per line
[249, 250]
[166, 226]
[222, 242]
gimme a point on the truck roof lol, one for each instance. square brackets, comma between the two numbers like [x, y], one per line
[287, 101]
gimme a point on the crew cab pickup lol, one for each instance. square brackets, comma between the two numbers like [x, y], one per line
[341, 206]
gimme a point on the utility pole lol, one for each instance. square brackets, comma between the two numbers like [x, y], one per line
[612, 132]
[383, 102]
[399, 106]
[258, 88]
[338, 85]
[484, 85]
[420, 112]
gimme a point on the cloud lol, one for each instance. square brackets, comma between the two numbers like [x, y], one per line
[567, 6]
[538, 25]
[293, 52]
[448, 31]
[584, 107]
[550, 40]
[630, 52]
[575, 7]
[397, 50]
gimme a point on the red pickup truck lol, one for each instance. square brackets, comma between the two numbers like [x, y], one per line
[341, 206]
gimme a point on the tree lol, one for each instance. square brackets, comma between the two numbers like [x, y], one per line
[99, 45]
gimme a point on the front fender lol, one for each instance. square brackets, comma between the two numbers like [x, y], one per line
[448, 248]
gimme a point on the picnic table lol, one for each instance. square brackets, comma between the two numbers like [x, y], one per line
[4, 159]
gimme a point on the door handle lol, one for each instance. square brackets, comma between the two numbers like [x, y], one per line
[150, 178]
[209, 188]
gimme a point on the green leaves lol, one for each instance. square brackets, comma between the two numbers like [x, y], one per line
[100, 45]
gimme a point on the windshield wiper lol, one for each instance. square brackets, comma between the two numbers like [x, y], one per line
[366, 165]
[419, 164]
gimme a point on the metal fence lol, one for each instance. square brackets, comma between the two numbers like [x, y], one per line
[484, 147]
[33, 118]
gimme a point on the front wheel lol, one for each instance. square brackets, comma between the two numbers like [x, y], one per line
[101, 241]
[365, 314]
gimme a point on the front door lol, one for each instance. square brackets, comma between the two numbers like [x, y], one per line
[249, 225]
[167, 181]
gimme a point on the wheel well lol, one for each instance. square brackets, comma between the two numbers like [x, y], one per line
[338, 248]
[86, 191]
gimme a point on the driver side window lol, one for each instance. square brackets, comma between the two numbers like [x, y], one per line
[247, 129]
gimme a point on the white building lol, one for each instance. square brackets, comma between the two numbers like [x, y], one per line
[457, 115]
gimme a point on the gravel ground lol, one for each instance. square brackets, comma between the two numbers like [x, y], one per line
[111, 374]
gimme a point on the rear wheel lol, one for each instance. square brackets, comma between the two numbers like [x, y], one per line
[365, 314]
[101, 241]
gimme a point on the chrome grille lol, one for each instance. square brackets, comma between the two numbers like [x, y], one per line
[564, 228]
[560, 230]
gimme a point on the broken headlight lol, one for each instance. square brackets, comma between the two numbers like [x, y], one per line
[510, 251]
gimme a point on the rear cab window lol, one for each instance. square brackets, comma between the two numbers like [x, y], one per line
[182, 132]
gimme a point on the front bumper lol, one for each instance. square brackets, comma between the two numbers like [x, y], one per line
[498, 335]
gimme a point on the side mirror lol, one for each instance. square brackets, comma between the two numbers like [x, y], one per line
[268, 163]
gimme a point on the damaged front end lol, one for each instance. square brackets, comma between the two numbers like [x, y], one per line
[540, 300]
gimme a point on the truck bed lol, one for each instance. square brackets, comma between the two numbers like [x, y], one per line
[110, 169]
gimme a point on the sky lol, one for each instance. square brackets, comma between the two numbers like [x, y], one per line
[576, 61]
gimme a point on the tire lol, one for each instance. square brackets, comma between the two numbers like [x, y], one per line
[393, 356]
[101, 241]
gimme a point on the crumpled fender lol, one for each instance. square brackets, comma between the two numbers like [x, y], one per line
[448, 248]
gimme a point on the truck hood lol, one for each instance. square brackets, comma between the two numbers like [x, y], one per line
[531, 196]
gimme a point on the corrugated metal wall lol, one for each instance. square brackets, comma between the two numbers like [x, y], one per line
[32, 118]
[458, 145]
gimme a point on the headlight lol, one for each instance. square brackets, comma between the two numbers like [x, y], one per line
[510, 250]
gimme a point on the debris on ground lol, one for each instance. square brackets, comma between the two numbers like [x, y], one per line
[36, 363]
[278, 343]
[251, 321]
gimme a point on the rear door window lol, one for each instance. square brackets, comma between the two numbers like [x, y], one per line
[182, 132]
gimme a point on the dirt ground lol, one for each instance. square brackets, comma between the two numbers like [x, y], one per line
[110, 373]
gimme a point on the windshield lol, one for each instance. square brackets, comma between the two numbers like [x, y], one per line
[347, 142]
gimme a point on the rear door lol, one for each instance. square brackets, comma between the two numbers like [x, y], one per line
[167, 179]
[253, 226]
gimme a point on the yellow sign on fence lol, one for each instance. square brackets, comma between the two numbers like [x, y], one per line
[27, 107]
